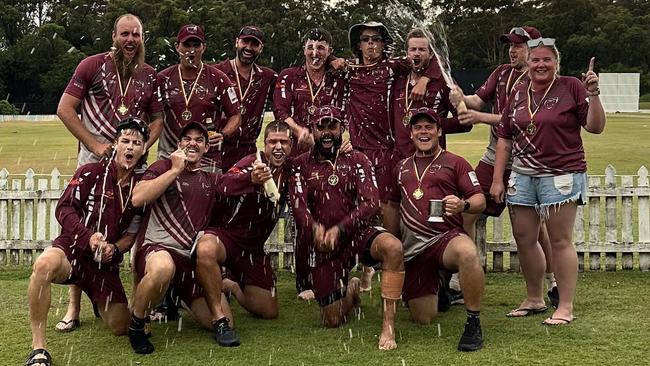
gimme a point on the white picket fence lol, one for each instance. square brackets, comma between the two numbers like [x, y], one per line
[604, 229]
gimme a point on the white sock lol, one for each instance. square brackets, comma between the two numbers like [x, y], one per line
[454, 283]
[550, 280]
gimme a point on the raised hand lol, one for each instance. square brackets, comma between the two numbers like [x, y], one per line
[590, 78]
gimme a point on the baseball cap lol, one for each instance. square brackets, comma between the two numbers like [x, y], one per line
[251, 31]
[425, 112]
[133, 123]
[193, 125]
[327, 112]
[189, 31]
[520, 35]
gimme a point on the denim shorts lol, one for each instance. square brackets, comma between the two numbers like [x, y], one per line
[543, 192]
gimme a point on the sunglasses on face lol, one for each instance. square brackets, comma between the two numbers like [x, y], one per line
[371, 38]
[541, 42]
[520, 32]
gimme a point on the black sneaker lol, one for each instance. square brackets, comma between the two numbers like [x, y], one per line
[553, 296]
[455, 297]
[224, 335]
[139, 341]
[472, 338]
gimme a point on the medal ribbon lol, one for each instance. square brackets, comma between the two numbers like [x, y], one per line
[242, 95]
[180, 78]
[417, 173]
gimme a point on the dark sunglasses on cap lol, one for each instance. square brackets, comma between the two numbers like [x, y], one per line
[251, 32]
[134, 123]
[373, 38]
[541, 42]
[520, 32]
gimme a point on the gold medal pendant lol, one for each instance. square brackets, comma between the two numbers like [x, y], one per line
[242, 110]
[122, 109]
[186, 115]
[407, 119]
[311, 109]
[531, 128]
[418, 194]
[333, 179]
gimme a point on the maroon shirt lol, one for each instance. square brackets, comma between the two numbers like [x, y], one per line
[292, 97]
[175, 218]
[213, 95]
[436, 98]
[250, 216]
[556, 146]
[93, 187]
[369, 102]
[95, 83]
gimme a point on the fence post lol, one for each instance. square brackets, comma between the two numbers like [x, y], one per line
[41, 214]
[28, 217]
[4, 214]
[594, 224]
[481, 240]
[54, 185]
[644, 219]
[610, 218]
[497, 234]
[14, 254]
[627, 182]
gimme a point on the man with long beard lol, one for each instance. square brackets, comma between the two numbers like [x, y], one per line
[99, 224]
[193, 91]
[335, 203]
[254, 85]
[109, 87]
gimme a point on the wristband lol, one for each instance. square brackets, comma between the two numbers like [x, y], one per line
[593, 93]
[466, 207]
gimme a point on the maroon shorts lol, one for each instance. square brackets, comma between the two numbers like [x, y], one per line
[330, 273]
[382, 162]
[422, 272]
[101, 282]
[484, 173]
[234, 152]
[184, 284]
[246, 267]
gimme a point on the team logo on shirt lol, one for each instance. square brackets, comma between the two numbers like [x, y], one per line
[551, 102]
[473, 178]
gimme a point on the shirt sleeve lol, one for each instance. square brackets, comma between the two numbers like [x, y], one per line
[156, 169]
[487, 91]
[283, 95]
[504, 129]
[581, 99]
[467, 182]
[394, 193]
[367, 196]
[81, 80]
[225, 92]
[155, 105]
[237, 180]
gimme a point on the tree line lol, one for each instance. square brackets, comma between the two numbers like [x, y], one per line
[42, 41]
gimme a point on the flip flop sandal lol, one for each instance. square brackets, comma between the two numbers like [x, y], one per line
[563, 321]
[525, 312]
[33, 360]
[67, 326]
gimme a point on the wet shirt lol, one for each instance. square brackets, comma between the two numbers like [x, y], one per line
[92, 202]
[555, 147]
[174, 219]
[95, 83]
[214, 95]
[497, 88]
[292, 97]
[370, 98]
[259, 90]
[436, 98]
[352, 203]
[449, 174]
[250, 215]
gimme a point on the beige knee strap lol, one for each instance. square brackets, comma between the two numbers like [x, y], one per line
[391, 284]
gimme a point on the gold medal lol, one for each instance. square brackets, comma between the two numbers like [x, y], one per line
[531, 128]
[311, 109]
[333, 179]
[186, 115]
[242, 110]
[418, 194]
[407, 119]
[122, 109]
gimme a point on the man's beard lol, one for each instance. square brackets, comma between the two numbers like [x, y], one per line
[125, 66]
[246, 60]
[329, 153]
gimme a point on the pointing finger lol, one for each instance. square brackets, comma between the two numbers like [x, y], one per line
[591, 64]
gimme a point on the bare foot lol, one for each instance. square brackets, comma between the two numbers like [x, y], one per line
[527, 308]
[366, 279]
[354, 287]
[306, 295]
[387, 338]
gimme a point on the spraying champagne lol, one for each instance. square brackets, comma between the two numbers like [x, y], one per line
[270, 187]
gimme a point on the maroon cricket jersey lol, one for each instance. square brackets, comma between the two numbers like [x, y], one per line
[369, 102]
[95, 83]
[352, 203]
[213, 95]
[92, 192]
[555, 147]
[449, 174]
[436, 98]
[292, 97]
[174, 219]
[498, 88]
[250, 216]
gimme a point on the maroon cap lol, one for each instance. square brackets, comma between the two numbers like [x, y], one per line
[327, 112]
[520, 35]
[193, 125]
[189, 31]
[251, 31]
[425, 112]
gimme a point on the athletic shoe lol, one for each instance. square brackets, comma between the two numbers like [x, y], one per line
[553, 296]
[455, 297]
[224, 335]
[472, 338]
[139, 341]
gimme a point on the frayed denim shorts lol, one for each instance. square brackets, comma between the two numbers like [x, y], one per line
[544, 192]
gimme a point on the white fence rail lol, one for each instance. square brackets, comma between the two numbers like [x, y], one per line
[615, 223]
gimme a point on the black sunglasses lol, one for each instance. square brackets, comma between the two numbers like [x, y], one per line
[373, 38]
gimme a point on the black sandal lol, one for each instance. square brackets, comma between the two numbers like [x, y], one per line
[33, 360]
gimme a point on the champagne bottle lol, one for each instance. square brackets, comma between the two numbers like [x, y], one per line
[212, 131]
[270, 187]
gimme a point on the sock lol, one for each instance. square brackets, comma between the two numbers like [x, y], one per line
[473, 315]
[137, 323]
[550, 280]
[454, 283]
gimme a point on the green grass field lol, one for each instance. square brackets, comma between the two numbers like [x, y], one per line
[45, 145]
[611, 328]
